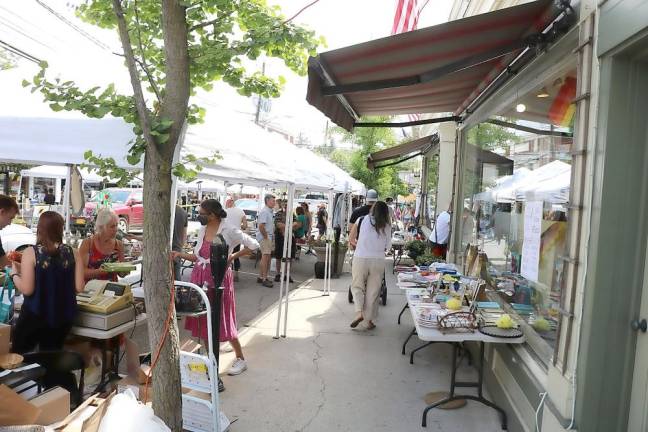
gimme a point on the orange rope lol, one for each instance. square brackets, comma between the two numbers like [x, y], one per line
[167, 325]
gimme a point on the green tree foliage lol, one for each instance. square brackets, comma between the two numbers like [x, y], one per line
[7, 60]
[489, 136]
[384, 180]
[172, 48]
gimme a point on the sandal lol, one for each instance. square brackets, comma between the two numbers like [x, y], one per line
[355, 322]
[371, 326]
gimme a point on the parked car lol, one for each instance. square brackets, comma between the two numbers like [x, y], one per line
[250, 207]
[313, 200]
[16, 237]
[126, 203]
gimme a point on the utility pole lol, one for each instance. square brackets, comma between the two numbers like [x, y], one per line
[258, 108]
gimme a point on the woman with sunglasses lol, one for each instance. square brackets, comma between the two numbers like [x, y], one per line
[211, 216]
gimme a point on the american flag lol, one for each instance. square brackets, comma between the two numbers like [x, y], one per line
[406, 16]
[406, 19]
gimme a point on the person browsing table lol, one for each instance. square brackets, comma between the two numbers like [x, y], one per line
[49, 276]
[8, 211]
[102, 247]
[370, 236]
[237, 220]
[212, 218]
[265, 222]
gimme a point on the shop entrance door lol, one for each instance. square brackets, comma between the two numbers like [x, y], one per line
[638, 416]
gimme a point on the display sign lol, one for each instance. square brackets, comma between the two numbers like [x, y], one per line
[531, 245]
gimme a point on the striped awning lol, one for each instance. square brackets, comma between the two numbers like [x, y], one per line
[403, 151]
[438, 69]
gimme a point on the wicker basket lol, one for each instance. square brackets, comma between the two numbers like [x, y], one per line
[10, 361]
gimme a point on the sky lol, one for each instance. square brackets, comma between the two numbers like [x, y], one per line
[48, 30]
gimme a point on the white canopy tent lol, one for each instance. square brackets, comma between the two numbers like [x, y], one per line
[496, 193]
[554, 190]
[253, 156]
[550, 176]
[550, 182]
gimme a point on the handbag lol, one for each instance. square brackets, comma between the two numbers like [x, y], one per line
[6, 307]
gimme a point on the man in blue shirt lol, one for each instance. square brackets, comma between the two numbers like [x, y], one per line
[265, 222]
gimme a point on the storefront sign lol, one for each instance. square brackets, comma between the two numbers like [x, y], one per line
[531, 245]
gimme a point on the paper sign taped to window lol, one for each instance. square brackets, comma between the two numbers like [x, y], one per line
[532, 235]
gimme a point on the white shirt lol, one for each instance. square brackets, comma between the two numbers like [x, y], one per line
[233, 237]
[234, 217]
[371, 243]
[441, 229]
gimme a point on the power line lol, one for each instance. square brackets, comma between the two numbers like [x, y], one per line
[19, 52]
[74, 26]
[21, 31]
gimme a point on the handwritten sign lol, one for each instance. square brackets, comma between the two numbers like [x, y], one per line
[531, 244]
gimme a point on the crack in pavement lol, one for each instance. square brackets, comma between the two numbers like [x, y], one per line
[316, 357]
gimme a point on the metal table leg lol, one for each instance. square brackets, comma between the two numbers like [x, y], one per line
[401, 312]
[418, 349]
[412, 333]
[478, 385]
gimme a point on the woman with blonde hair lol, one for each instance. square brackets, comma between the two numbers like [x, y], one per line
[102, 247]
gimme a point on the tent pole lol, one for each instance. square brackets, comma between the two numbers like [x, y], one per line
[289, 236]
[282, 274]
[66, 198]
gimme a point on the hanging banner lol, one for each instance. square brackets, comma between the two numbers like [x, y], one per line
[531, 245]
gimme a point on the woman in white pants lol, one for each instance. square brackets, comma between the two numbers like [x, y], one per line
[370, 236]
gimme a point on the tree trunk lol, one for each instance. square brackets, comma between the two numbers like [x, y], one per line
[166, 389]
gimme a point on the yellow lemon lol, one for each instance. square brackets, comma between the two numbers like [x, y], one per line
[505, 322]
[541, 325]
[453, 304]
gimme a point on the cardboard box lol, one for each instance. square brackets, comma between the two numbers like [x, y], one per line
[5, 331]
[54, 405]
[14, 410]
[87, 417]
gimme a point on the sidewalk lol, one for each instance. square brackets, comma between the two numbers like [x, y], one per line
[326, 377]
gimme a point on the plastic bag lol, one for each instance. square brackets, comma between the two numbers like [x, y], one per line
[126, 414]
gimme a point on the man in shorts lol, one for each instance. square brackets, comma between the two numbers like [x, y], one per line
[265, 233]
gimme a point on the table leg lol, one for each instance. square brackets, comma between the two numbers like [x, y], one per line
[478, 385]
[418, 349]
[401, 312]
[412, 333]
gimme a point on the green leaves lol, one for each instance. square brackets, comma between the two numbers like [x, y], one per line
[108, 169]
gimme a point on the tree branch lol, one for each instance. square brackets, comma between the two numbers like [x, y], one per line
[203, 24]
[176, 50]
[140, 102]
[148, 74]
[143, 64]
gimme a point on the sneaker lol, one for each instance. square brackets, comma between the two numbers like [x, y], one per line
[267, 283]
[259, 280]
[236, 278]
[238, 367]
[226, 348]
[277, 278]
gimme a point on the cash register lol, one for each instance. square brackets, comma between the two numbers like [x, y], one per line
[105, 305]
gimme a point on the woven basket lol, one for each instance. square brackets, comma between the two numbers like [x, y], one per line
[10, 361]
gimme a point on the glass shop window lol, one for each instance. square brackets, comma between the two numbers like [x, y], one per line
[514, 222]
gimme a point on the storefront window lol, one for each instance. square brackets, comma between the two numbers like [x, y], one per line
[515, 183]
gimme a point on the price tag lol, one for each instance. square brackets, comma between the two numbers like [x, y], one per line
[197, 367]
